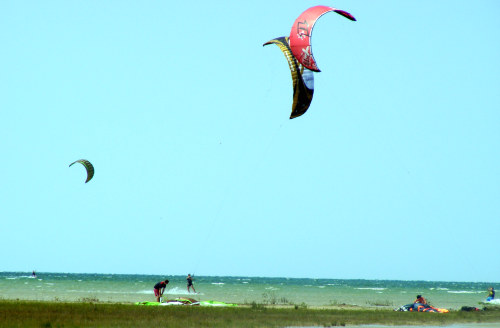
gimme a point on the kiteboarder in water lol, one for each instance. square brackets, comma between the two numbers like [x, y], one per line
[491, 294]
[190, 283]
[159, 289]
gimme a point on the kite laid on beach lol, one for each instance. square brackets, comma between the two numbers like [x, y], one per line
[302, 79]
[417, 307]
[88, 166]
[188, 301]
[300, 35]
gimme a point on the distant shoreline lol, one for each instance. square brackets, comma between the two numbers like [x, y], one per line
[40, 274]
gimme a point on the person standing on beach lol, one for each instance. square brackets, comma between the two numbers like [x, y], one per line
[159, 289]
[190, 283]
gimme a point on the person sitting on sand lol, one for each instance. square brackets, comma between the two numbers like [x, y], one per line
[420, 299]
[190, 283]
[491, 294]
[159, 289]
[420, 302]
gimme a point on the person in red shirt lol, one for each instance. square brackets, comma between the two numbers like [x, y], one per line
[159, 289]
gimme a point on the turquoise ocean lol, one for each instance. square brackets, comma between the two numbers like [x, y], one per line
[130, 288]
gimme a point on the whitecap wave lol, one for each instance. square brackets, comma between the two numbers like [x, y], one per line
[464, 292]
[179, 291]
[171, 291]
[20, 277]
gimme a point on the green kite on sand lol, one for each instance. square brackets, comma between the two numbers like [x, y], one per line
[186, 301]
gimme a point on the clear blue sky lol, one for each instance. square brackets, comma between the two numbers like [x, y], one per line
[393, 173]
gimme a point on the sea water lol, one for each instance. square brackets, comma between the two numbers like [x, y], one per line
[243, 290]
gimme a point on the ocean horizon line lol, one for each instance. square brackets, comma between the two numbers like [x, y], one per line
[244, 276]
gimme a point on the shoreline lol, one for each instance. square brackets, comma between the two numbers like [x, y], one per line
[291, 305]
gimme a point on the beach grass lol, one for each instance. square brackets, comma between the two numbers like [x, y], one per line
[89, 314]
